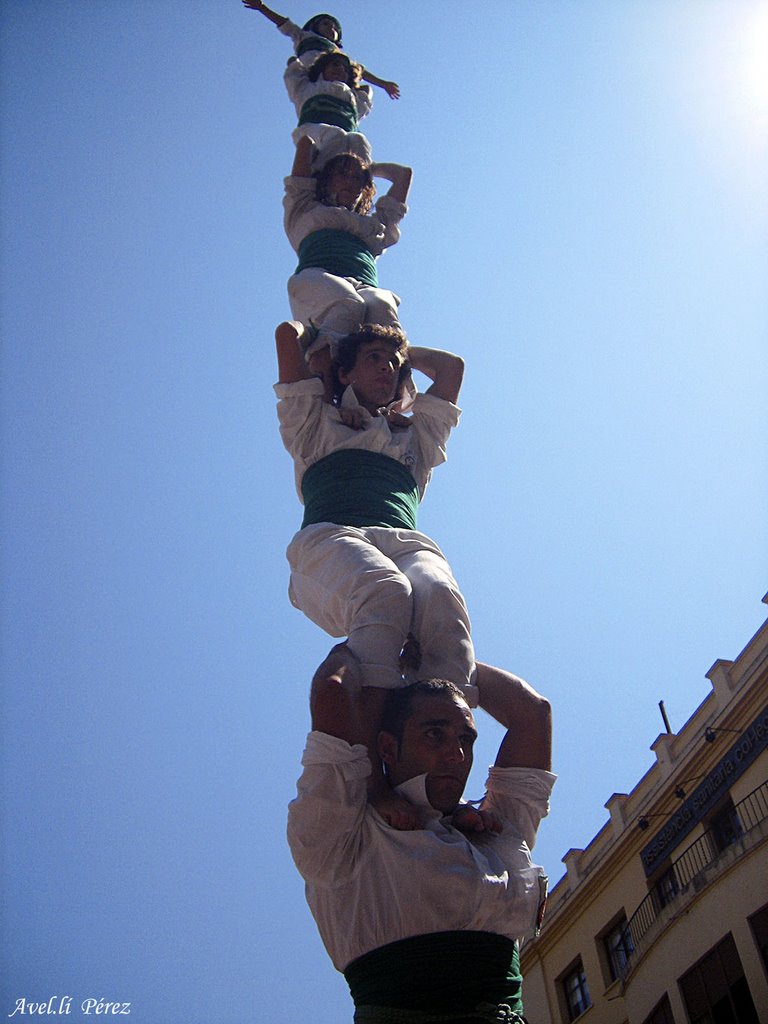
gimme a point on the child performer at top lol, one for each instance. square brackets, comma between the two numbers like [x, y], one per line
[359, 566]
[321, 33]
[328, 222]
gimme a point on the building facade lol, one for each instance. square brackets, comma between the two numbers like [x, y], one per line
[663, 918]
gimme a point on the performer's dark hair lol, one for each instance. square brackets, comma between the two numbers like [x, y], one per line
[346, 162]
[354, 70]
[349, 346]
[399, 703]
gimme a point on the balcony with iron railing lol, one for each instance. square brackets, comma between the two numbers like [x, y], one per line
[689, 873]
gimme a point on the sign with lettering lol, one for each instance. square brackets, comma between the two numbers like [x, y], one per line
[752, 742]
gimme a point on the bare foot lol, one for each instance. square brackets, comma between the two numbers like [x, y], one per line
[410, 656]
[467, 818]
[351, 418]
[396, 810]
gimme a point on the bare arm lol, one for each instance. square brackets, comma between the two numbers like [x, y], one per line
[444, 369]
[526, 715]
[274, 17]
[334, 699]
[324, 821]
[392, 89]
[302, 158]
[342, 707]
[291, 365]
[399, 175]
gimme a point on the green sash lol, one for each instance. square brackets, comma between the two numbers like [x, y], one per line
[354, 487]
[325, 109]
[340, 253]
[451, 973]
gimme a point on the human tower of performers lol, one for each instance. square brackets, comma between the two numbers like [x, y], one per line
[400, 872]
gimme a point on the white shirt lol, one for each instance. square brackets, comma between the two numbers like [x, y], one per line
[368, 884]
[300, 89]
[304, 213]
[312, 429]
[298, 35]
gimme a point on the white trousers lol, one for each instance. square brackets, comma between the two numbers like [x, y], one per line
[331, 141]
[339, 305]
[375, 585]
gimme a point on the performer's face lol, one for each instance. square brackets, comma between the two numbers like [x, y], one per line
[327, 29]
[375, 375]
[336, 71]
[345, 187]
[438, 738]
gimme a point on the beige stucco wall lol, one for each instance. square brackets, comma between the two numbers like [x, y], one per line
[723, 907]
[685, 931]
[608, 876]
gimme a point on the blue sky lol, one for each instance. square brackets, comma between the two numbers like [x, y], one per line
[587, 227]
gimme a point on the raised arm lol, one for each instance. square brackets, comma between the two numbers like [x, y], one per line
[334, 698]
[324, 821]
[274, 17]
[444, 369]
[302, 158]
[342, 707]
[392, 89]
[398, 174]
[526, 715]
[291, 365]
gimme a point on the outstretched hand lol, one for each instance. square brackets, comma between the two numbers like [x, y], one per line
[392, 89]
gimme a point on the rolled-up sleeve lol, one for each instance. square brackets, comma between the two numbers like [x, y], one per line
[296, 80]
[389, 212]
[299, 205]
[299, 408]
[364, 100]
[288, 28]
[433, 421]
[325, 819]
[521, 796]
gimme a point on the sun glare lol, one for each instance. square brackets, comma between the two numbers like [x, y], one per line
[724, 76]
[754, 65]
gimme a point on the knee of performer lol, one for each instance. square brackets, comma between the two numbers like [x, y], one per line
[385, 602]
[377, 648]
[347, 308]
[378, 310]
